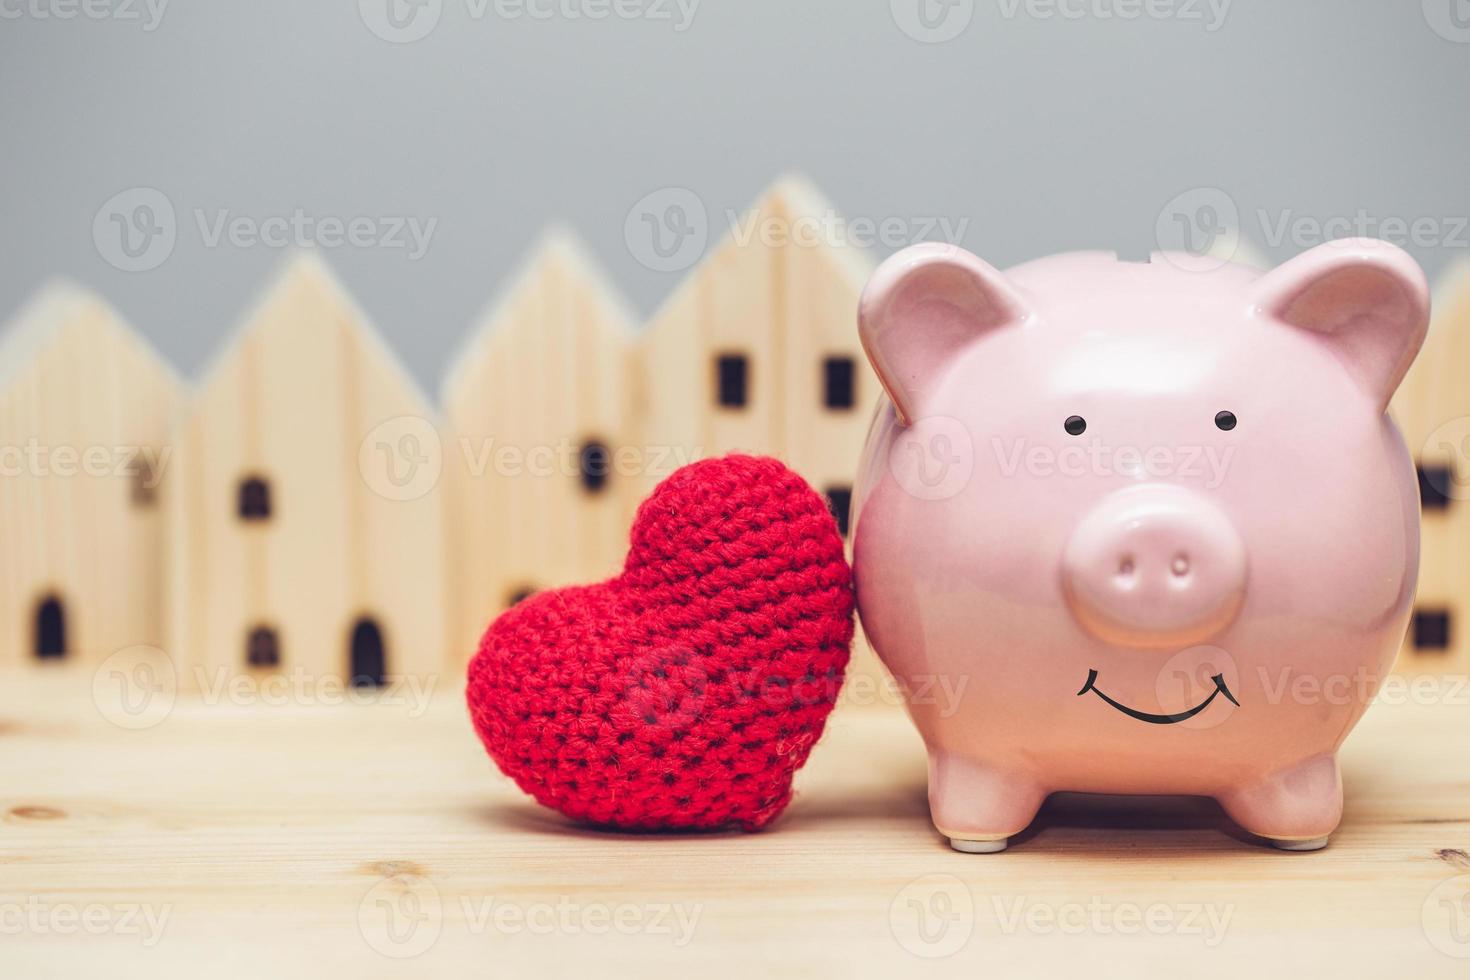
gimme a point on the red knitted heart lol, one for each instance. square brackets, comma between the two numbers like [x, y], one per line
[687, 691]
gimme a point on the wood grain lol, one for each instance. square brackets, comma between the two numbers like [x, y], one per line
[277, 837]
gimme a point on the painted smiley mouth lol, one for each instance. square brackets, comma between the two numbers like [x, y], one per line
[1220, 688]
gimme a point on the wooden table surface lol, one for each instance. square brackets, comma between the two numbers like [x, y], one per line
[272, 835]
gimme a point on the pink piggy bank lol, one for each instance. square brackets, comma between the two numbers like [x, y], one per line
[1150, 528]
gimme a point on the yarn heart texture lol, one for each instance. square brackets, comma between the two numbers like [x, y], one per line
[684, 693]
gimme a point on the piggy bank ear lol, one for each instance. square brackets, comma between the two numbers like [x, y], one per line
[1368, 299]
[920, 308]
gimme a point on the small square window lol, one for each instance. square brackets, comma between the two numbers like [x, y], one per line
[1432, 629]
[838, 374]
[732, 377]
[1435, 486]
[839, 499]
[595, 463]
[255, 499]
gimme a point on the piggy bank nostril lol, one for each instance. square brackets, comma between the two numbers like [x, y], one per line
[1126, 567]
[1180, 567]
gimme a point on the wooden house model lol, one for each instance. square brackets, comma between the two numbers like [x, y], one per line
[1433, 409]
[541, 448]
[86, 408]
[306, 520]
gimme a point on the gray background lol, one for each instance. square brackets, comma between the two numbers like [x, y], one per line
[1045, 133]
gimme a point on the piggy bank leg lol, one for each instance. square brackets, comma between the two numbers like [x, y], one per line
[979, 807]
[1296, 809]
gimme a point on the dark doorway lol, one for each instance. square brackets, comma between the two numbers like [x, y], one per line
[254, 503]
[50, 629]
[263, 648]
[369, 664]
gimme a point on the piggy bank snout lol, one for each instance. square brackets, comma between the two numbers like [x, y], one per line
[1155, 567]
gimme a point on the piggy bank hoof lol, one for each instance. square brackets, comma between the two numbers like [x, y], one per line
[1313, 844]
[978, 846]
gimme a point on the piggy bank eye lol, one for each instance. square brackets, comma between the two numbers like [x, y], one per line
[1076, 425]
[1225, 421]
